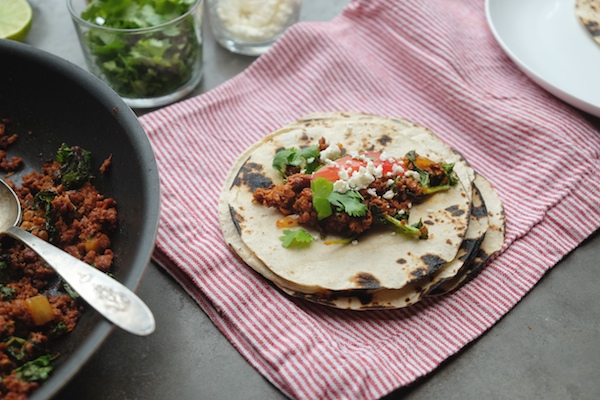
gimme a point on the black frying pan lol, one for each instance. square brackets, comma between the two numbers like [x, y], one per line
[50, 101]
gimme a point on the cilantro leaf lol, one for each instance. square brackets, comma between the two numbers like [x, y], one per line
[321, 189]
[282, 160]
[351, 202]
[324, 197]
[295, 238]
[306, 158]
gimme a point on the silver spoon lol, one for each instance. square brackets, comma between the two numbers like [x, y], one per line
[110, 298]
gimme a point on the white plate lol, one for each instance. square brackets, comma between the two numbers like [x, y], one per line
[547, 42]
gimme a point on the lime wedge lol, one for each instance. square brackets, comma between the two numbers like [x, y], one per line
[15, 19]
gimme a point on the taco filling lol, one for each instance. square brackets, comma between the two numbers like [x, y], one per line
[336, 192]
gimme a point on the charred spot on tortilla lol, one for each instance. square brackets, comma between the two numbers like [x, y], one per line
[251, 174]
[593, 27]
[478, 207]
[332, 298]
[364, 297]
[237, 219]
[319, 299]
[479, 211]
[419, 273]
[433, 261]
[428, 222]
[401, 261]
[455, 211]
[384, 140]
[468, 246]
[365, 280]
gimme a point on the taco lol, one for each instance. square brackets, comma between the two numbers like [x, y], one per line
[354, 211]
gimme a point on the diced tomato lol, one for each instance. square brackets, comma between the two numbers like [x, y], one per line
[330, 171]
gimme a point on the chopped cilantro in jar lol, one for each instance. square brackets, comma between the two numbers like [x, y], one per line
[142, 48]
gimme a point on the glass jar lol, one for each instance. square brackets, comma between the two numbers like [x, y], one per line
[250, 27]
[149, 66]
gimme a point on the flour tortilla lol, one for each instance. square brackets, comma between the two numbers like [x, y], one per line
[415, 291]
[373, 299]
[380, 260]
[588, 13]
[492, 243]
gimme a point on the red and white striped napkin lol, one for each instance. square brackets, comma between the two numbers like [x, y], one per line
[434, 62]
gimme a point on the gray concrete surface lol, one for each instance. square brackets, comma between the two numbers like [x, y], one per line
[547, 347]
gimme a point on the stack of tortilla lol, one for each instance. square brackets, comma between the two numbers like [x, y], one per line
[382, 269]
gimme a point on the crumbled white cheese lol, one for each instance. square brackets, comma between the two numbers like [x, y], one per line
[376, 171]
[397, 169]
[412, 174]
[360, 179]
[355, 242]
[255, 20]
[341, 186]
[310, 160]
[372, 192]
[390, 182]
[344, 174]
[388, 195]
[332, 152]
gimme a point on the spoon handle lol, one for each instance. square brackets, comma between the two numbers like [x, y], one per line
[109, 297]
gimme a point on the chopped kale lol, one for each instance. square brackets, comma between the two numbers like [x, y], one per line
[70, 291]
[15, 346]
[401, 222]
[43, 200]
[427, 185]
[75, 169]
[6, 293]
[59, 329]
[35, 370]
[5, 272]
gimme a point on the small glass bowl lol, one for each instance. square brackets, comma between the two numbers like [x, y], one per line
[250, 27]
[147, 67]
